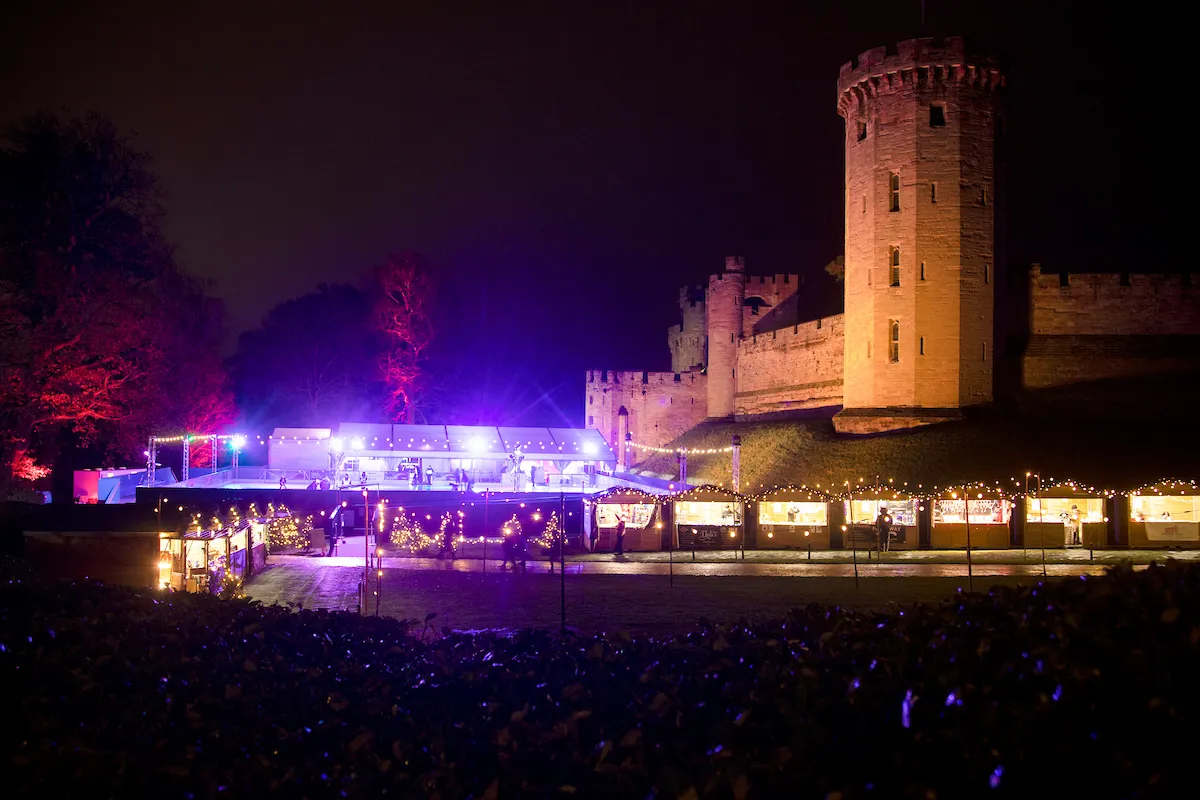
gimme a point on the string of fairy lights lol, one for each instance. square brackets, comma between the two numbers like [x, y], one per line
[891, 489]
[682, 451]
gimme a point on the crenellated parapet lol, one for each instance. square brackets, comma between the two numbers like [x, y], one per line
[924, 63]
[1114, 304]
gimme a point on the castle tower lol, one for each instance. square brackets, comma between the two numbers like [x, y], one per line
[725, 296]
[919, 249]
[687, 341]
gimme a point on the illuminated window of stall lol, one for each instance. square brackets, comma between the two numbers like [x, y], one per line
[984, 511]
[864, 512]
[807, 514]
[1157, 508]
[636, 515]
[708, 513]
[1063, 509]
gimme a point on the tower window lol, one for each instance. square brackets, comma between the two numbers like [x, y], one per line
[591, 421]
[895, 271]
[894, 344]
[933, 192]
[864, 204]
[894, 189]
[987, 273]
[862, 130]
[590, 399]
[868, 349]
[937, 116]
[921, 343]
[983, 351]
[922, 270]
[983, 197]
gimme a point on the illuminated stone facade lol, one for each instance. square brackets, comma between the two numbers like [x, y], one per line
[919, 216]
[918, 339]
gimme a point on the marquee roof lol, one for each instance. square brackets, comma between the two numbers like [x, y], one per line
[462, 441]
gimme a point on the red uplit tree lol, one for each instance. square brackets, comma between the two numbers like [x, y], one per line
[404, 313]
[88, 312]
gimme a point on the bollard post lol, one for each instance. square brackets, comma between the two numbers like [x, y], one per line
[562, 561]
[854, 550]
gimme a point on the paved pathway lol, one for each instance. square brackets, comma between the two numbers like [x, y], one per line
[622, 596]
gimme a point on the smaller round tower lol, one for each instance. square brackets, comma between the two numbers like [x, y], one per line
[726, 294]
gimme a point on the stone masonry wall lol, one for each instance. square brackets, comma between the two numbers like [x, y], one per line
[661, 405]
[1089, 327]
[792, 368]
[688, 341]
[1104, 305]
[937, 231]
[773, 290]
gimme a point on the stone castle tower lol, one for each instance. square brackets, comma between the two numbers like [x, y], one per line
[920, 232]
[724, 302]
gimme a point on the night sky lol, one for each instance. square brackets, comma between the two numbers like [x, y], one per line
[565, 166]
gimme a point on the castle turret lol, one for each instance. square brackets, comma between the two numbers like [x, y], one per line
[688, 340]
[919, 249]
[726, 294]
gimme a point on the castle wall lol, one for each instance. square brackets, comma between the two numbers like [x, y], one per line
[661, 406]
[1099, 305]
[1101, 326]
[792, 368]
[773, 290]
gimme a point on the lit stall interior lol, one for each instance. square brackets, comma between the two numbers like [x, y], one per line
[642, 515]
[990, 519]
[864, 506]
[708, 518]
[793, 518]
[1165, 515]
[207, 561]
[1065, 517]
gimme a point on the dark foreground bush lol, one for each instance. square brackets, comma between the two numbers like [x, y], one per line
[1085, 688]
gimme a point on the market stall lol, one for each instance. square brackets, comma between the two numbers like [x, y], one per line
[1065, 515]
[793, 517]
[864, 504]
[641, 513]
[708, 518]
[209, 561]
[1165, 514]
[976, 515]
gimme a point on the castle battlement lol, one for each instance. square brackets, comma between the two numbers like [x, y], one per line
[922, 62]
[1112, 304]
[816, 330]
[609, 378]
[785, 279]
[1129, 283]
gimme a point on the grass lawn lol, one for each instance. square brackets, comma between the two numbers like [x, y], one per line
[987, 446]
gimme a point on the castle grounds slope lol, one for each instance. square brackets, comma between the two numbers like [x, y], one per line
[984, 447]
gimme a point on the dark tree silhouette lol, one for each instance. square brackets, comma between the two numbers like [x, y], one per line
[314, 361]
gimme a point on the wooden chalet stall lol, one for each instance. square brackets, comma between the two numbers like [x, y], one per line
[643, 515]
[212, 560]
[1165, 514]
[792, 517]
[1065, 515]
[978, 515]
[708, 518]
[862, 504]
